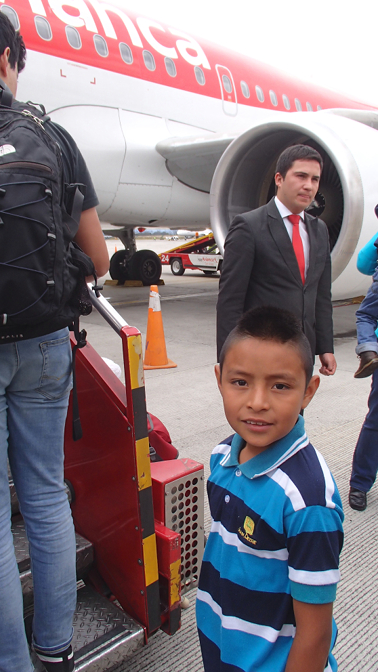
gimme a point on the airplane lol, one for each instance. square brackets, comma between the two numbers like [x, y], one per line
[180, 133]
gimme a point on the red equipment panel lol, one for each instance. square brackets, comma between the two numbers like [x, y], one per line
[178, 493]
[169, 560]
[109, 471]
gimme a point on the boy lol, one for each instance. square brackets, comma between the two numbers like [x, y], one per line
[270, 568]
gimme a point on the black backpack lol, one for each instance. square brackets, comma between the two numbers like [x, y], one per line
[42, 270]
[40, 266]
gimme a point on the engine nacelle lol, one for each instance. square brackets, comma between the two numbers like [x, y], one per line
[244, 180]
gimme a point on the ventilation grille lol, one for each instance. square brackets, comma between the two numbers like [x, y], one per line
[184, 513]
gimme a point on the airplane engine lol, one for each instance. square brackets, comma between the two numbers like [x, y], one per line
[348, 143]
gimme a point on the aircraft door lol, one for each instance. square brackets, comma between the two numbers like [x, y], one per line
[228, 91]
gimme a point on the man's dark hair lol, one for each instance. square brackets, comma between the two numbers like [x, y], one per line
[12, 39]
[271, 324]
[296, 153]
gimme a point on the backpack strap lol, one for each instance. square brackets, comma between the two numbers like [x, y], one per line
[75, 209]
[81, 341]
[42, 109]
[6, 98]
[74, 200]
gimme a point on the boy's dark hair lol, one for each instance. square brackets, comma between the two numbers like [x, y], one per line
[296, 153]
[12, 39]
[272, 324]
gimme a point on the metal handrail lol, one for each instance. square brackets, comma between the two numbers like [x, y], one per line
[107, 311]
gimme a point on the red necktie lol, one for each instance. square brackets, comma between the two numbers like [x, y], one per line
[298, 245]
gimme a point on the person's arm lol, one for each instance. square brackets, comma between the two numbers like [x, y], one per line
[236, 271]
[314, 539]
[91, 240]
[312, 641]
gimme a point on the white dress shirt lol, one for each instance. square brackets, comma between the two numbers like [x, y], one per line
[285, 212]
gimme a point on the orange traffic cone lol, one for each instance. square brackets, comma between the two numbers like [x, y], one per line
[156, 352]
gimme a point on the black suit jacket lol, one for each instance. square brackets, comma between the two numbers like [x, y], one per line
[260, 269]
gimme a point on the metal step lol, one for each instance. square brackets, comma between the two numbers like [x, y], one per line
[103, 634]
[84, 558]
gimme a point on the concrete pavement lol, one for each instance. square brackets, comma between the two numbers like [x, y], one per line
[186, 399]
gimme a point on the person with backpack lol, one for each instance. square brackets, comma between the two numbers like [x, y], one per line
[41, 223]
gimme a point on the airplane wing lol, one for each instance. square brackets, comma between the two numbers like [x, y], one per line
[193, 159]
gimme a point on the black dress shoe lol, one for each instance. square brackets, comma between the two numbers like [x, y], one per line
[357, 499]
[368, 364]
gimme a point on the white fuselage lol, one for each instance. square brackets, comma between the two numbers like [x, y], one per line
[118, 112]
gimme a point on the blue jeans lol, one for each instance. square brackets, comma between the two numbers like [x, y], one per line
[366, 318]
[35, 380]
[365, 458]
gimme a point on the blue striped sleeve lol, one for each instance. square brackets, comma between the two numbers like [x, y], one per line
[314, 543]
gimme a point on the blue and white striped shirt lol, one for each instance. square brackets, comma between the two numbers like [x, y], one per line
[276, 535]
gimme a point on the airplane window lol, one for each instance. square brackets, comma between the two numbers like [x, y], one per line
[170, 67]
[259, 93]
[100, 45]
[126, 53]
[200, 77]
[298, 104]
[318, 108]
[12, 16]
[227, 83]
[286, 101]
[149, 60]
[245, 89]
[73, 37]
[43, 27]
[273, 98]
[309, 107]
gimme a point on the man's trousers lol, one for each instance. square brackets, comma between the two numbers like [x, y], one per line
[35, 381]
[365, 458]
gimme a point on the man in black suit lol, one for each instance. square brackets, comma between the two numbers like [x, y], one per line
[278, 255]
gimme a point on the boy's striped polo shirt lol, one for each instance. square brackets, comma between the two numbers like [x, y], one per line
[276, 534]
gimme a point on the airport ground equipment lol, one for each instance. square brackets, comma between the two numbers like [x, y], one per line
[200, 253]
[139, 526]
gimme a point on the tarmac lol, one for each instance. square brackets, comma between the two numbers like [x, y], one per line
[187, 400]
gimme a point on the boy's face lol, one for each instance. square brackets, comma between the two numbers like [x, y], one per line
[263, 386]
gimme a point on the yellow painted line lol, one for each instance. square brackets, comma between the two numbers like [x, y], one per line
[177, 297]
[134, 345]
[175, 582]
[151, 571]
[143, 463]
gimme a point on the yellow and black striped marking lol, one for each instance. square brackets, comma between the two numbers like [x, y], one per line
[142, 449]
